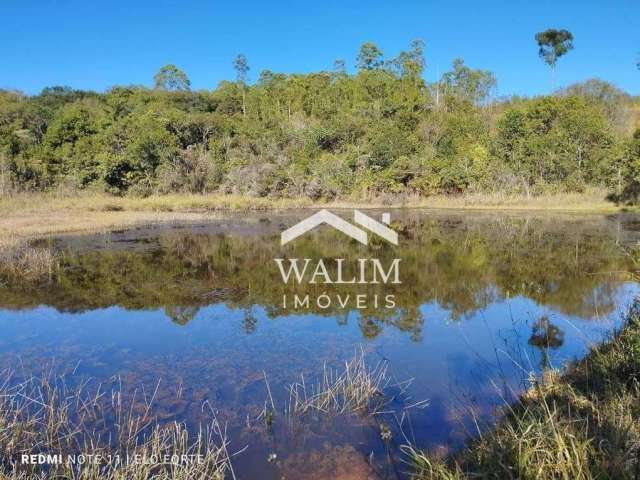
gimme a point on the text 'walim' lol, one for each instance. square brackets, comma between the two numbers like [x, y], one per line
[365, 271]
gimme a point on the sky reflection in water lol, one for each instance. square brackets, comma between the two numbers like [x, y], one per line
[198, 309]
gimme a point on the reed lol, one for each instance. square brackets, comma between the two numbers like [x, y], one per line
[356, 387]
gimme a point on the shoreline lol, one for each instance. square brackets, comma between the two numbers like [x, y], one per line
[30, 216]
[561, 427]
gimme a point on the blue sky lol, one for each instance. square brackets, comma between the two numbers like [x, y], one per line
[98, 44]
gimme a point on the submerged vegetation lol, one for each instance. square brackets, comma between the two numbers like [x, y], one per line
[89, 430]
[93, 432]
[380, 132]
[582, 424]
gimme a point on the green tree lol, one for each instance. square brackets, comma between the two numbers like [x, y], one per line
[411, 64]
[241, 66]
[465, 83]
[557, 141]
[369, 57]
[614, 102]
[136, 147]
[553, 44]
[71, 144]
[171, 78]
[631, 171]
[321, 135]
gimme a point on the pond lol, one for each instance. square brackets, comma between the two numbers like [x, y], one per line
[201, 315]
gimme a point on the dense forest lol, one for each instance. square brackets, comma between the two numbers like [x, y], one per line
[380, 131]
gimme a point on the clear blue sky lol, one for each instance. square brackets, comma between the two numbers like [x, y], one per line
[95, 44]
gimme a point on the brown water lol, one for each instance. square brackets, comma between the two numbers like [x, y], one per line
[485, 299]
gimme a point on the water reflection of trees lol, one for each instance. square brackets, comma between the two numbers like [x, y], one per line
[461, 264]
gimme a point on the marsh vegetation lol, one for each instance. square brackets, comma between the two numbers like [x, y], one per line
[20, 261]
[90, 431]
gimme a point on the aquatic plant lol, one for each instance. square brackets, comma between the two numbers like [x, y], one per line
[428, 467]
[93, 433]
[356, 388]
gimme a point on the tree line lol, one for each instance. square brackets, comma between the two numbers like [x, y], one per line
[382, 130]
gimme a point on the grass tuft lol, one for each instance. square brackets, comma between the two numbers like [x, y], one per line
[355, 388]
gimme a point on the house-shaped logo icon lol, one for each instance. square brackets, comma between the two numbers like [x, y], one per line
[325, 216]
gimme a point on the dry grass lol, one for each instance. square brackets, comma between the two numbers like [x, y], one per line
[37, 215]
[592, 200]
[43, 415]
[355, 388]
[21, 261]
[31, 215]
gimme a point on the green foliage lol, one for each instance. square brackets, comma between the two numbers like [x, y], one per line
[579, 425]
[553, 44]
[171, 77]
[369, 57]
[467, 84]
[565, 141]
[412, 63]
[630, 171]
[321, 135]
[70, 144]
[615, 104]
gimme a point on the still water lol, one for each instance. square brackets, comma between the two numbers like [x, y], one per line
[197, 314]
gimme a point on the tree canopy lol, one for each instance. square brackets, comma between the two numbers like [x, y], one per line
[553, 44]
[171, 77]
[369, 57]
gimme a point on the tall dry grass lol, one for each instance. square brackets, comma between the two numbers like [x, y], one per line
[355, 388]
[21, 261]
